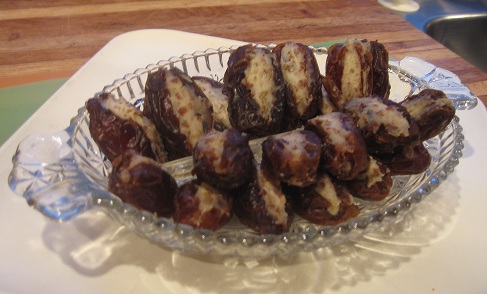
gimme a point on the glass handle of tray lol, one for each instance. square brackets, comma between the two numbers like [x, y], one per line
[46, 174]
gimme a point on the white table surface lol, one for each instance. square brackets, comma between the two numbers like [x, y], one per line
[438, 247]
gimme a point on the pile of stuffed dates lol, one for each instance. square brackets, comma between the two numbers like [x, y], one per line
[329, 138]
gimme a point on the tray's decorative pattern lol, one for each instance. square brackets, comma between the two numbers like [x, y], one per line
[64, 174]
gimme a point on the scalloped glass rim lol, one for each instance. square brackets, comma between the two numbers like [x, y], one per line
[64, 174]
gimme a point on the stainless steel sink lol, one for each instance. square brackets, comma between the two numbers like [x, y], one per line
[465, 35]
[460, 25]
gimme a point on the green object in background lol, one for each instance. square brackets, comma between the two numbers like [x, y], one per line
[18, 103]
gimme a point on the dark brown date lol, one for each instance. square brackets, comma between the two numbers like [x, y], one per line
[372, 184]
[344, 153]
[380, 70]
[432, 110]
[325, 203]
[214, 91]
[143, 183]
[202, 206]
[223, 159]
[349, 71]
[178, 108]
[409, 161]
[385, 125]
[262, 206]
[116, 126]
[302, 79]
[255, 90]
[292, 157]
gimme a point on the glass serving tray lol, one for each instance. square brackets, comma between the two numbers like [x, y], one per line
[63, 174]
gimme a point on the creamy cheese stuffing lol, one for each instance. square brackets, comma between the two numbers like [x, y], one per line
[373, 113]
[296, 75]
[259, 77]
[218, 100]
[418, 106]
[324, 187]
[214, 143]
[209, 198]
[354, 77]
[187, 107]
[274, 199]
[373, 173]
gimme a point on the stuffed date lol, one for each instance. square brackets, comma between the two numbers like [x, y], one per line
[408, 161]
[349, 71]
[262, 206]
[385, 125]
[116, 126]
[202, 206]
[255, 90]
[373, 184]
[357, 68]
[292, 157]
[178, 108]
[302, 79]
[223, 159]
[143, 183]
[344, 153]
[432, 110]
[324, 203]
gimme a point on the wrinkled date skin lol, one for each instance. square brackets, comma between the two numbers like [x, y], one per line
[373, 184]
[325, 203]
[263, 207]
[349, 71]
[143, 183]
[117, 126]
[292, 157]
[202, 206]
[385, 125]
[255, 90]
[432, 110]
[302, 81]
[410, 161]
[223, 159]
[344, 153]
[380, 70]
[178, 108]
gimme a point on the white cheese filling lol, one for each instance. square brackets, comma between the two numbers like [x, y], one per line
[418, 106]
[209, 199]
[218, 100]
[354, 77]
[337, 134]
[375, 113]
[296, 74]
[213, 143]
[324, 186]
[274, 199]
[259, 77]
[373, 173]
[186, 106]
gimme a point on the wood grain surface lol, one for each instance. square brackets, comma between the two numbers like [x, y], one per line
[47, 39]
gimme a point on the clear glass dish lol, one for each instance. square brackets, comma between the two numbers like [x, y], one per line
[63, 174]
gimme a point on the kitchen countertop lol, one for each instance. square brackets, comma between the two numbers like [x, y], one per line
[53, 39]
[436, 248]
